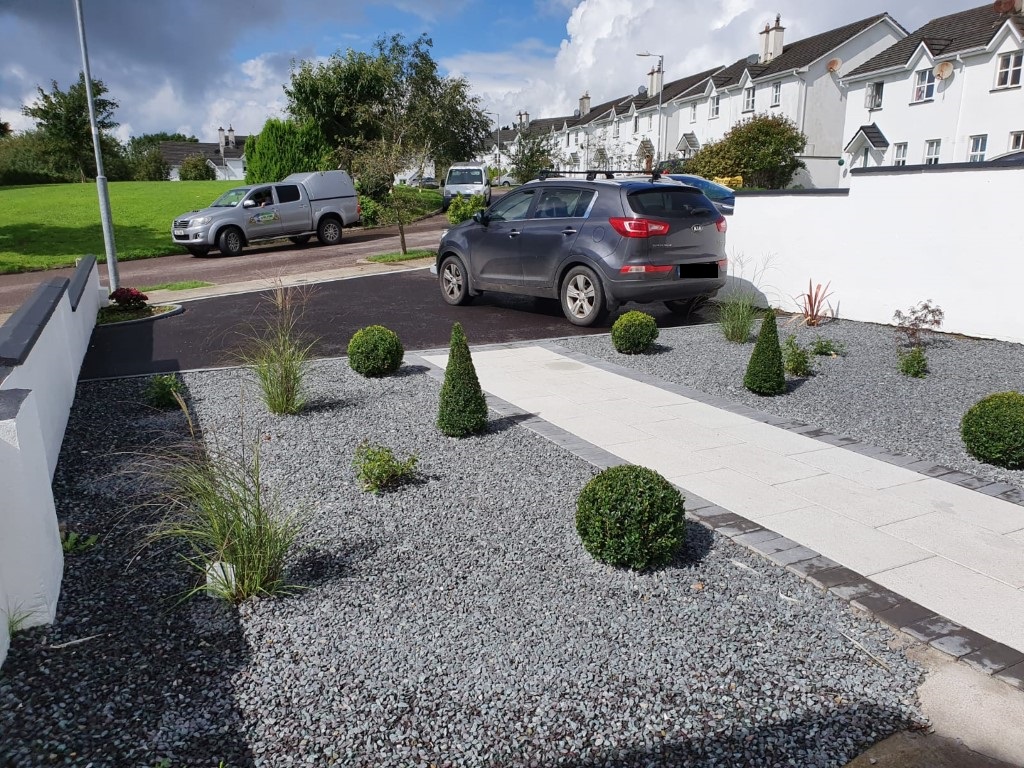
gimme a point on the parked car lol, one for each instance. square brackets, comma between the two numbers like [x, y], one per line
[426, 182]
[297, 207]
[466, 179]
[505, 180]
[592, 244]
[719, 194]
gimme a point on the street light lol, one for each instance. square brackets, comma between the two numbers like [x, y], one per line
[497, 120]
[661, 87]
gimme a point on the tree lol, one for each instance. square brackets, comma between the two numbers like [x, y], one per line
[762, 149]
[63, 119]
[196, 168]
[531, 153]
[284, 147]
[23, 161]
[5, 129]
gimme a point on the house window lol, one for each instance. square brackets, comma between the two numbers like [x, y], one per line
[924, 85]
[931, 151]
[899, 156]
[1016, 140]
[873, 96]
[715, 104]
[650, 121]
[615, 129]
[636, 124]
[776, 94]
[978, 146]
[1008, 74]
[576, 138]
[748, 99]
[693, 113]
[567, 139]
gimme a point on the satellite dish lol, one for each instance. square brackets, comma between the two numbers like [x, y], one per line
[834, 65]
[943, 70]
[641, 91]
[575, 113]
[753, 58]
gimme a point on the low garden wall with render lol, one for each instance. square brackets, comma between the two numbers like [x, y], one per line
[42, 346]
[949, 233]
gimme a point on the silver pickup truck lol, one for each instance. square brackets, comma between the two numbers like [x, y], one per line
[297, 207]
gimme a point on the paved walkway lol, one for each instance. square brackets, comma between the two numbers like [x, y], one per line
[951, 550]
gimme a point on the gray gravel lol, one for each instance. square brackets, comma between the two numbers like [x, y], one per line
[861, 394]
[454, 621]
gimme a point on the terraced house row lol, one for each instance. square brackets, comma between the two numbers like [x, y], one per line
[866, 94]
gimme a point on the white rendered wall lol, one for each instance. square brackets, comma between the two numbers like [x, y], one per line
[897, 239]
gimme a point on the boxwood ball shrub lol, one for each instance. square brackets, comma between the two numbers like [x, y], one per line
[993, 430]
[631, 517]
[634, 332]
[375, 351]
[462, 409]
[765, 373]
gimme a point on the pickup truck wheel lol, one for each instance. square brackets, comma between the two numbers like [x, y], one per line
[328, 231]
[454, 285]
[230, 241]
[300, 240]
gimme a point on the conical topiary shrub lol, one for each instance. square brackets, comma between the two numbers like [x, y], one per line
[463, 408]
[765, 373]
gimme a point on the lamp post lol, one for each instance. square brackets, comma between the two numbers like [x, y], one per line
[661, 87]
[497, 120]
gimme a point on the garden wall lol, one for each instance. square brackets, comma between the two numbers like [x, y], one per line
[949, 233]
[42, 346]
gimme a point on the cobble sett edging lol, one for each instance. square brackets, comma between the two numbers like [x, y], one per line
[915, 621]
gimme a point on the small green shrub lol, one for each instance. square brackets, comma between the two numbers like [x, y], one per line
[128, 299]
[73, 542]
[462, 409]
[736, 315]
[162, 390]
[993, 430]
[631, 517]
[279, 356]
[375, 351]
[378, 469]
[461, 208]
[795, 359]
[765, 372]
[634, 332]
[823, 346]
[913, 363]
[196, 168]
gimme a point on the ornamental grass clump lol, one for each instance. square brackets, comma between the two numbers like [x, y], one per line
[765, 372]
[634, 333]
[736, 315]
[279, 356]
[993, 430]
[375, 351]
[462, 409]
[631, 517]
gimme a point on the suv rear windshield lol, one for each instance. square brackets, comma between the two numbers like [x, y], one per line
[672, 203]
[465, 176]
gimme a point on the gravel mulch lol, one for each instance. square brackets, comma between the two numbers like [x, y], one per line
[455, 621]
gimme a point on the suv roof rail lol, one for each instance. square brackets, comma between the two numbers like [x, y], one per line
[592, 174]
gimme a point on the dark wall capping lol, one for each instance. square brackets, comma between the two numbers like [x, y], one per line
[837, 192]
[80, 279]
[21, 331]
[897, 170]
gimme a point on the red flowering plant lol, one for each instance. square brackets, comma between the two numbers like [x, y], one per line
[128, 299]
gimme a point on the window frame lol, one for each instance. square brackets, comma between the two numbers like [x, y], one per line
[777, 94]
[929, 157]
[636, 123]
[979, 146]
[1016, 141]
[899, 154]
[873, 95]
[749, 98]
[693, 112]
[1013, 69]
[924, 86]
[716, 105]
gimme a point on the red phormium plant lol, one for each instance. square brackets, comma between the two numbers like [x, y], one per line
[812, 303]
[129, 298]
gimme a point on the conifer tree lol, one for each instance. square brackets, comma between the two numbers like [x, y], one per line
[765, 372]
[463, 407]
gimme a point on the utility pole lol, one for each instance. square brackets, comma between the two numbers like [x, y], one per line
[101, 180]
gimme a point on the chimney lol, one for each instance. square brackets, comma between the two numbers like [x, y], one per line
[771, 43]
[585, 104]
[220, 134]
[231, 136]
[654, 82]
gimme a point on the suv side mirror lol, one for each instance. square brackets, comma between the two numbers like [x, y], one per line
[248, 204]
[481, 217]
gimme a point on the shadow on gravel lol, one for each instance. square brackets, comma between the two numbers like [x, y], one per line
[805, 741]
[128, 674]
[699, 541]
[319, 566]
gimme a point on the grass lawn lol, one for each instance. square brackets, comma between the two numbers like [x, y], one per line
[50, 225]
[386, 258]
[181, 285]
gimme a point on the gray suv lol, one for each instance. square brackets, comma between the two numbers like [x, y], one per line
[594, 244]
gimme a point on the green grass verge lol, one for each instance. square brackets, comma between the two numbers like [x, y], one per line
[183, 285]
[386, 258]
[50, 225]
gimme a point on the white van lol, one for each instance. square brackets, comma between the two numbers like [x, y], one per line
[467, 179]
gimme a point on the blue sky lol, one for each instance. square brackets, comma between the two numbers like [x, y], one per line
[194, 65]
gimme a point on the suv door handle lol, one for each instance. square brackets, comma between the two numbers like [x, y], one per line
[568, 231]
[513, 233]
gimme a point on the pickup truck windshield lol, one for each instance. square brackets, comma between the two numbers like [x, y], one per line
[231, 198]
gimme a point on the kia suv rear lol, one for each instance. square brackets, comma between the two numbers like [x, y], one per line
[594, 244]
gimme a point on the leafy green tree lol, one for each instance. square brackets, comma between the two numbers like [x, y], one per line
[195, 168]
[5, 129]
[531, 153]
[23, 161]
[63, 119]
[284, 147]
[762, 149]
[150, 166]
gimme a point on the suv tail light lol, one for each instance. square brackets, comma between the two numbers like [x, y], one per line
[647, 269]
[642, 228]
[721, 224]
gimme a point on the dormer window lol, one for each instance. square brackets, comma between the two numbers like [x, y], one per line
[716, 104]
[748, 99]
[873, 96]
[924, 85]
[1008, 73]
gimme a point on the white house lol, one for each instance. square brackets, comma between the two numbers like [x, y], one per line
[226, 157]
[951, 92]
